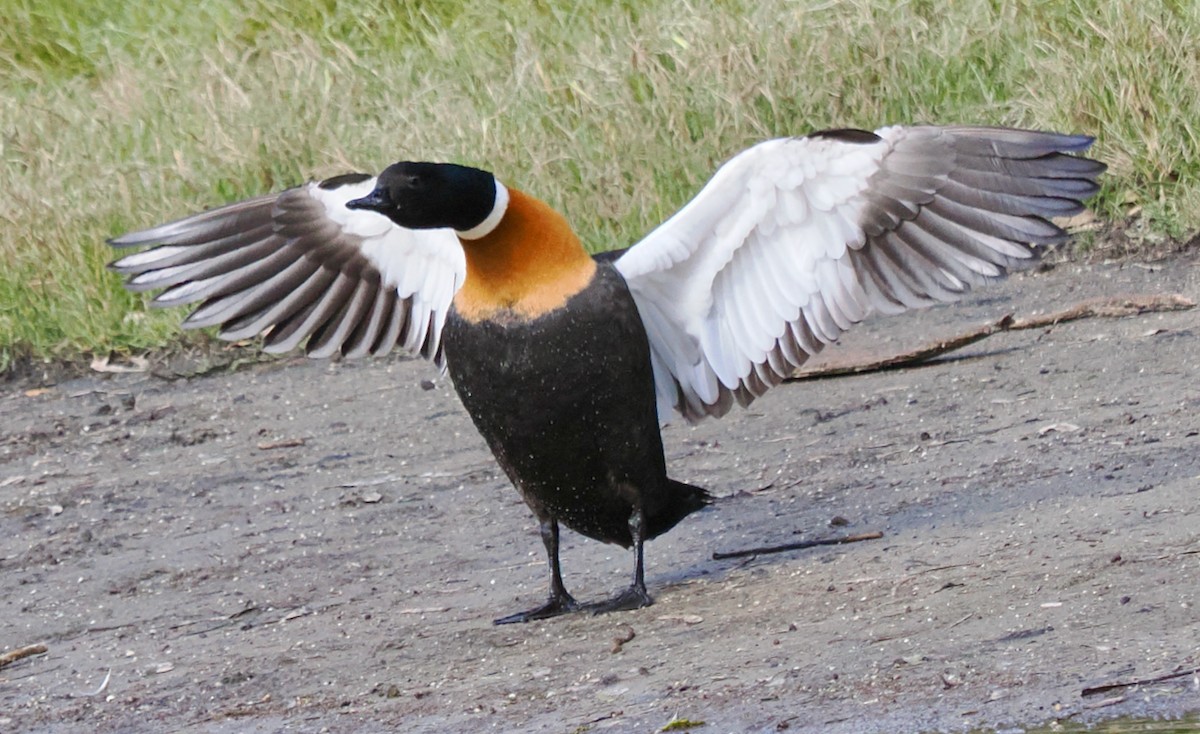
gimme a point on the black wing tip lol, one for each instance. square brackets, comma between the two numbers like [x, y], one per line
[1080, 168]
[345, 179]
[1055, 141]
[129, 239]
[116, 265]
[609, 256]
[847, 135]
[168, 232]
[1071, 142]
[1094, 167]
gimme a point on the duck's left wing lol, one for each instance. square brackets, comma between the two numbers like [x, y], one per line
[794, 240]
[301, 267]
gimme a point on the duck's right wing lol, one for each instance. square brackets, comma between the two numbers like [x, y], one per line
[795, 240]
[299, 265]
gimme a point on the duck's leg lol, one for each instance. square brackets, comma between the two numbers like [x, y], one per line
[636, 596]
[560, 602]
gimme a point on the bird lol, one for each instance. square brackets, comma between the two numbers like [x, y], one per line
[569, 363]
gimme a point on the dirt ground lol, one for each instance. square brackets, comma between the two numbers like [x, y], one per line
[320, 547]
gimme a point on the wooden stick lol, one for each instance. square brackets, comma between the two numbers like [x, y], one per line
[13, 656]
[1094, 308]
[286, 443]
[718, 556]
[1140, 681]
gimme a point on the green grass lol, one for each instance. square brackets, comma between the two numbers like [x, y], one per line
[117, 114]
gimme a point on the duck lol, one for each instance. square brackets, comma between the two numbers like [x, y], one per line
[568, 363]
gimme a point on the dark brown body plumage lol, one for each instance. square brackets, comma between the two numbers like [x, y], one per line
[566, 403]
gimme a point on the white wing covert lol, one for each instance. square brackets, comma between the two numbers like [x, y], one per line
[299, 265]
[795, 240]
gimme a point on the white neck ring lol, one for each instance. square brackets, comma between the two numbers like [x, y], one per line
[484, 228]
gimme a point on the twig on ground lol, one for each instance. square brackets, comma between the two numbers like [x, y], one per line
[619, 642]
[13, 656]
[1095, 308]
[719, 556]
[1113, 701]
[286, 443]
[1092, 690]
[1176, 555]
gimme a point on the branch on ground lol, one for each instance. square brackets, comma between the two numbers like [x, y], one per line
[13, 656]
[1116, 307]
[800, 545]
[1093, 690]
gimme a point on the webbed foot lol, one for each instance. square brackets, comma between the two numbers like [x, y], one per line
[635, 597]
[556, 606]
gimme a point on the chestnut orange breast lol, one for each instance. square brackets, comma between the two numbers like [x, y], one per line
[527, 266]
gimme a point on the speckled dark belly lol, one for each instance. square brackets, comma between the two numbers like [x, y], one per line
[566, 403]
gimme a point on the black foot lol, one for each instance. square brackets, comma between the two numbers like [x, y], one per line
[557, 605]
[635, 597]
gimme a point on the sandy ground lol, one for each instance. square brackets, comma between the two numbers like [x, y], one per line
[319, 547]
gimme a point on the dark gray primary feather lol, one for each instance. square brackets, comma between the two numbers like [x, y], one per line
[278, 263]
[984, 184]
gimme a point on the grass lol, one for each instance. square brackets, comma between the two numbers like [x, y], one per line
[117, 114]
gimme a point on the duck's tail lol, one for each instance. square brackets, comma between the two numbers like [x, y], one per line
[685, 499]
